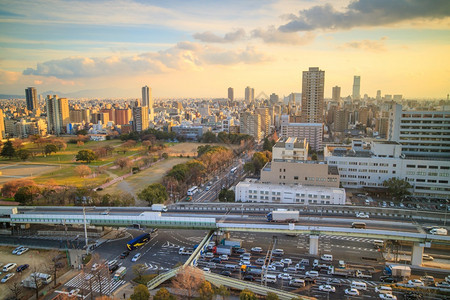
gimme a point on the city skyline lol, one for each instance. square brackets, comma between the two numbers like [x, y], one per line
[112, 51]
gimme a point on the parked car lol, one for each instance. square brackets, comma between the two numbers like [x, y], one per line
[278, 252]
[327, 288]
[209, 255]
[387, 279]
[270, 267]
[136, 257]
[112, 262]
[284, 276]
[7, 277]
[17, 249]
[312, 274]
[241, 250]
[95, 267]
[9, 267]
[352, 292]
[300, 267]
[427, 279]
[387, 296]
[217, 260]
[207, 270]
[256, 249]
[427, 257]
[362, 215]
[124, 254]
[22, 267]
[260, 261]
[290, 270]
[113, 268]
[278, 264]
[22, 251]
[415, 283]
[443, 284]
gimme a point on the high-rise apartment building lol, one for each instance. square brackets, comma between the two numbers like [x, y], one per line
[231, 93]
[31, 97]
[336, 96]
[80, 115]
[378, 95]
[274, 98]
[265, 119]
[2, 125]
[251, 125]
[57, 114]
[249, 95]
[340, 120]
[140, 118]
[147, 96]
[312, 95]
[122, 116]
[356, 95]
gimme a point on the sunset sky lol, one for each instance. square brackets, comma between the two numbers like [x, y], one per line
[200, 48]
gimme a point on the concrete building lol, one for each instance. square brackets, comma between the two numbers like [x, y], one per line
[356, 95]
[189, 132]
[140, 118]
[251, 124]
[80, 116]
[290, 148]
[254, 191]
[369, 167]
[227, 124]
[274, 98]
[421, 133]
[336, 95]
[263, 112]
[340, 120]
[313, 83]
[31, 98]
[249, 95]
[147, 99]
[122, 116]
[57, 114]
[231, 93]
[2, 125]
[312, 132]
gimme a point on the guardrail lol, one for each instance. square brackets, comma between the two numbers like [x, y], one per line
[194, 256]
[219, 280]
[155, 282]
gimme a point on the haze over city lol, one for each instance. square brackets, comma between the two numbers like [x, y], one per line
[199, 48]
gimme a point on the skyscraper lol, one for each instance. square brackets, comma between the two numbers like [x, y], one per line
[147, 99]
[378, 95]
[2, 125]
[57, 114]
[249, 95]
[30, 94]
[312, 95]
[356, 88]
[274, 98]
[231, 93]
[140, 118]
[336, 93]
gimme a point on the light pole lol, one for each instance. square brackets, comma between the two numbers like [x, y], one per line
[85, 230]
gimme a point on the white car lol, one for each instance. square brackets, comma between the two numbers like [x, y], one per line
[284, 276]
[300, 267]
[387, 296]
[9, 267]
[286, 261]
[447, 278]
[278, 264]
[362, 215]
[312, 274]
[136, 257]
[17, 249]
[223, 257]
[415, 283]
[256, 249]
[22, 251]
[207, 270]
[327, 288]
[7, 277]
[209, 255]
[270, 268]
[278, 252]
[443, 284]
[112, 262]
[352, 292]
[427, 257]
[74, 292]
[439, 231]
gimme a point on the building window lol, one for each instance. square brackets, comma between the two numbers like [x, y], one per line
[295, 177]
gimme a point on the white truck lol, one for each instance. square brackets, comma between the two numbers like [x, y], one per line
[159, 207]
[289, 216]
[398, 271]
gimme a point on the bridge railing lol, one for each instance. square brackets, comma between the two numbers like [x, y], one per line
[155, 282]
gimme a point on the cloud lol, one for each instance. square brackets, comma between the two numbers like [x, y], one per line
[360, 13]
[367, 45]
[271, 35]
[229, 37]
[183, 56]
[8, 77]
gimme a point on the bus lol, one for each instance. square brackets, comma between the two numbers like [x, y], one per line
[232, 171]
[139, 241]
[192, 190]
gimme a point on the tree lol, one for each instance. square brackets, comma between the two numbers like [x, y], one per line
[249, 167]
[397, 188]
[139, 270]
[271, 296]
[209, 137]
[25, 194]
[206, 291]
[226, 195]
[50, 148]
[140, 293]
[154, 193]
[165, 155]
[23, 154]
[267, 145]
[8, 150]
[86, 155]
[189, 280]
[15, 287]
[82, 132]
[314, 156]
[122, 162]
[222, 291]
[163, 294]
[17, 144]
[34, 277]
[83, 171]
[55, 264]
[10, 188]
[247, 295]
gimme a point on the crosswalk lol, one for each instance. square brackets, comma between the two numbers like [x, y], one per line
[107, 284]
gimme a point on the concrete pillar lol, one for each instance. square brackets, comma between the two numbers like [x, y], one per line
[417, 254]
[314, 244]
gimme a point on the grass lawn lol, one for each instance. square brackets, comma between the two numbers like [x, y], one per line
[66, 176]
[135, 183]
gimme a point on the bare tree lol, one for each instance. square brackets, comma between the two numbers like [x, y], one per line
[83, 170]
[123, 162]
[35, 280]
[139, 270]
[16, 287]
[189, 279]
[56, 263]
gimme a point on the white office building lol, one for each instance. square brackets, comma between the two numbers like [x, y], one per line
[370, 166]
[252, 190]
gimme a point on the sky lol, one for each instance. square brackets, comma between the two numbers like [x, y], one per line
[187, 49]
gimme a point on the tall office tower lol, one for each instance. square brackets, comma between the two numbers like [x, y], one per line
[231, 93]
[146, 96]
[312, 96]
[274, 98]
[336, 93]
[30, 94]
[249, 95]
[140, 118]
[378, 95]
[2, 125]
[356, 88]
[57, 114]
